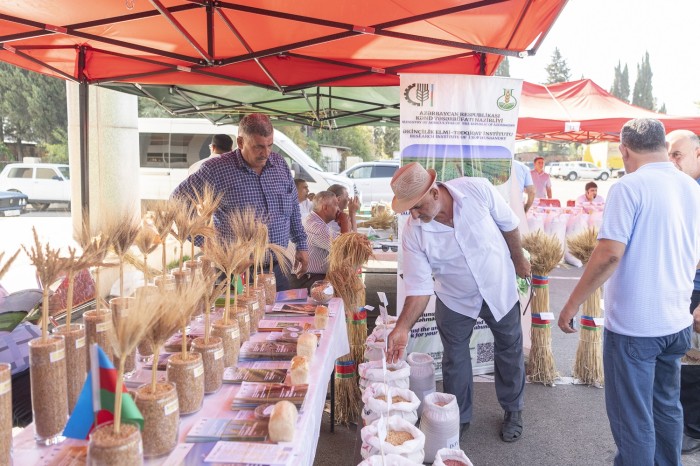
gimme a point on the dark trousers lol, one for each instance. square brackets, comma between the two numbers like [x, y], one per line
[690, 389]
[305, 281]
[456, 331]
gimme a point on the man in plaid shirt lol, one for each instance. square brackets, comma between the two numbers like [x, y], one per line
[254, 176]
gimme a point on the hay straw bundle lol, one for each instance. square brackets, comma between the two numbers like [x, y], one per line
[588, 365]
[122, 232]
[48, 265]
[546, 252]
[129, 328]
[381, 220]
[348, 253]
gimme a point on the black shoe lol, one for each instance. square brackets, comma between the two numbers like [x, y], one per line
[512, 427]
[690, 445]
[463, 428]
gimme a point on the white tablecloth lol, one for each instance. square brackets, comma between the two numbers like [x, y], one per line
[333, 345]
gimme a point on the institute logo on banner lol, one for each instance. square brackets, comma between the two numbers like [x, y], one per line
[419, 94]
[507, 101]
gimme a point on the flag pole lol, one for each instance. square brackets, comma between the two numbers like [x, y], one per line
[95, 376]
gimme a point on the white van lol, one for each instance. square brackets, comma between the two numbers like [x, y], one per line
[168, 146]
[43, 183]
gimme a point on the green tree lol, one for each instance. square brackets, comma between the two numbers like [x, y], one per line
[503, 68]
[557, 70]
[14, 88]
[357, 138]
[392, 140]
[662, 109]
[643, 95]
[621, 83]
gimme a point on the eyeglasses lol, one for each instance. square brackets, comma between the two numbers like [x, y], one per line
[386, 248]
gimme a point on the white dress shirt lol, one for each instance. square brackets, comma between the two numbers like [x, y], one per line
[471, 262]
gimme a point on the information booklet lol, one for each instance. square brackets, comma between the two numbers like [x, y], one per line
[213, 430]
[294, 309]
[298, 295]
[273, 325]
[251, 395]
[267, 350]
[244, 374]
[162, 362]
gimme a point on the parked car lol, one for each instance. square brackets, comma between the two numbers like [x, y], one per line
[575, 170]
[43, 183]
[372, 179]
[12, 203]
[551, 168]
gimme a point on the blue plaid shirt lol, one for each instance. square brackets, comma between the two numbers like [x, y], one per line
[272, 194]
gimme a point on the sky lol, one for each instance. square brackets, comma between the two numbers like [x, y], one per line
[592, 35]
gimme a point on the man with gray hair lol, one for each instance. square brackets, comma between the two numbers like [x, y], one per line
[684, 152]
[648, 250]
[344, 221]
[319, 236]
[253, 176]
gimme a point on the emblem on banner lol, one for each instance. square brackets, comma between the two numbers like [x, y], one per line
[507, 101]
[419, 94]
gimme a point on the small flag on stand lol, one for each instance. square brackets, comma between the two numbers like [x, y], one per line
[95, 405]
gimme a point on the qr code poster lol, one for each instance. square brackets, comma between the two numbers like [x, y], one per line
[424, 338]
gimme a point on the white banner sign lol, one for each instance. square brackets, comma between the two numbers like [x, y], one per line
[459, 125]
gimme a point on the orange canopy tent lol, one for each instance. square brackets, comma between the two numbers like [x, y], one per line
[582, 111]
[276, 45]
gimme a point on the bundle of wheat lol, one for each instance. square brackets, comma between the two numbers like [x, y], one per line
[163, 214]
[122, 232]
[379, 220]
[146, 241]
[546, 252]
[48, 265]
[348, 253]
[588, 365]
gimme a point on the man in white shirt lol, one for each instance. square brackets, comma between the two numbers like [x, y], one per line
[220, 144]
[648, 250]
[319, 237]
[684, 152]
[463, 245]
[591, 196]
[305, 205]
[543, 185]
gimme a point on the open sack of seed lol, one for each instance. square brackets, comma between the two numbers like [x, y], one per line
[451, 457]
[439, 423]
[397, 374]
[389, 321]
[387, 460]
[404, 403]
[402, 438]
[375, 345]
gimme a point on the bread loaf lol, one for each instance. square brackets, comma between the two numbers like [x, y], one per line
[283, 421]
[306, 345]
[321, 317]
[300, 370]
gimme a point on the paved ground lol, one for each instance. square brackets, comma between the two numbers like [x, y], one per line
[564, 425]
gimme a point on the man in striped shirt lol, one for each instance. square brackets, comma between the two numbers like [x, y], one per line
[254, 176]
[320, 236]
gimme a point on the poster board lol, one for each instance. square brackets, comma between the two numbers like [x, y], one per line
[459, 125]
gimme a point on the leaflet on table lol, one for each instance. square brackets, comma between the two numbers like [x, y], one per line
[162, 362]
[274, 325]
[212, 430]
[190, 454]
[243, 374]
[143, 376]
[297, 295]
[250, 453]
[293, 309]
[174, 343]
[291, 334]
[251, 395]
[267, 350]
[71, 452]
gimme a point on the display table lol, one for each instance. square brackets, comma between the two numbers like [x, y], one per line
[333, 345]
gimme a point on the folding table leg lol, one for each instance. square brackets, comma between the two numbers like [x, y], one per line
[333, 401]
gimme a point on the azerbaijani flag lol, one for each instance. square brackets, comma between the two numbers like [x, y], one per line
[91, 408]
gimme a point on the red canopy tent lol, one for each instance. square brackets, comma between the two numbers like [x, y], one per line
[591, 113]
[276, 45]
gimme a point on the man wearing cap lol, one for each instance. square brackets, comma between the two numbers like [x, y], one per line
[462, 244]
